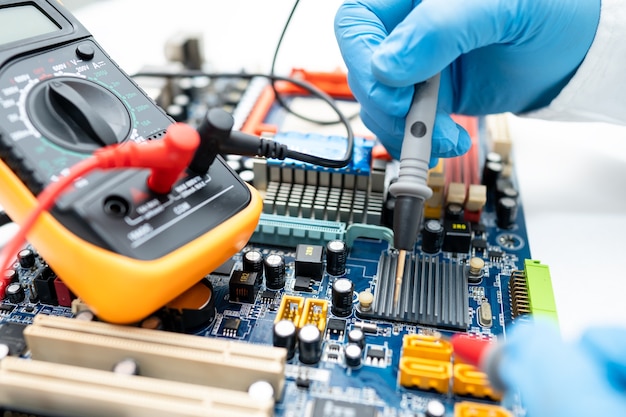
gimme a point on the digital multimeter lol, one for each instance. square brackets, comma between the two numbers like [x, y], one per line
[124, 250]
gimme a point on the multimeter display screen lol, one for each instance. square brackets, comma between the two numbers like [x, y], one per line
[23, 22]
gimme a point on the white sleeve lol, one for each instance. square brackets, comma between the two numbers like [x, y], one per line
[597, 92]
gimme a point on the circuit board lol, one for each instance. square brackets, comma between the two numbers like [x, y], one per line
[314, 292]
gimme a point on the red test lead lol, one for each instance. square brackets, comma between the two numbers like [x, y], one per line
[481, 353]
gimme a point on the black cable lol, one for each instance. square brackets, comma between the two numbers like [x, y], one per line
[314, 91]
[278, 97]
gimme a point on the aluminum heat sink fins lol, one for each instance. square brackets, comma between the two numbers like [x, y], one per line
[433, 293]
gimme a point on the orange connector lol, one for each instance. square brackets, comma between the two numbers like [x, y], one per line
[470, 409]
[426, 347]
[468, 380]
[426, 374]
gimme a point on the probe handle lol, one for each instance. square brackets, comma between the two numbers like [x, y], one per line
[411, 189]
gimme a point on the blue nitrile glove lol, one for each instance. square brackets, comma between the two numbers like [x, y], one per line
[495, 56]
[558, 379]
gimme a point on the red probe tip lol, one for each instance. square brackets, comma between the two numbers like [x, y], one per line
[469, 349]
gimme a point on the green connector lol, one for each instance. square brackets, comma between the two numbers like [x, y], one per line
[540, 293]
[290, 231]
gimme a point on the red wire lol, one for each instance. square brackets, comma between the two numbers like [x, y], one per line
[45, 201]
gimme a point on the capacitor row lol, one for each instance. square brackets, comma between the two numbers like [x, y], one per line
[308, 343]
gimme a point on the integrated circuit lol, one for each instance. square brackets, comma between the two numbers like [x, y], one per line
[12, 335]
[230, 327]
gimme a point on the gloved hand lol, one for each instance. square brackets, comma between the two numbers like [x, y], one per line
[495, 56]
[557, 379]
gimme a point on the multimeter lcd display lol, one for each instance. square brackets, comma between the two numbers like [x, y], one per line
[22, 22]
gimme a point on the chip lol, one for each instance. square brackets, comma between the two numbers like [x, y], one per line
[12, 335]
[231, 327]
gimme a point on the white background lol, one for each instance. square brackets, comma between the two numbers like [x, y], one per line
[572, 175]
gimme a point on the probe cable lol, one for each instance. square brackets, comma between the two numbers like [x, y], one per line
[314, 91]
[167, 159]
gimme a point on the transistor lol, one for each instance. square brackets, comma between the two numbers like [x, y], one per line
[336, 327]
[303, 284]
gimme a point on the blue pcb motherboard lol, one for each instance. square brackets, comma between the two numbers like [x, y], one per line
[303, 321]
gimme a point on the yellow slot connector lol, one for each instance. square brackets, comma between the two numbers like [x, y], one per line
[426, 347]
[468, 380]
[291, 308]
[425, 363]
[470, 409]
[303, 311]
[426, 374]
[315, 312]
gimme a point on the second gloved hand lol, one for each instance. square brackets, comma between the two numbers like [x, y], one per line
[494, 55]
[558, 379]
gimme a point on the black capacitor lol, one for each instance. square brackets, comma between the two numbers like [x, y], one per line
[15, 293]
[336, 256]
[285, 336]
[432, 236]
[506, 212]
[253, 261]
[342, 297]
[454, 211]
[353, 354]
[491, 173]
[493, 157]
[310, 344]
[26, 258]
[505, 188]
[274, 271]
[11, 275]
[357, 337]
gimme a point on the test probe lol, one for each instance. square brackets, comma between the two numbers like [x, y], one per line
[410, 190]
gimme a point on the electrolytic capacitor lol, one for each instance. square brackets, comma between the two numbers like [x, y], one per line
[491, 173]
[506, 212]
[274, 271]
[309, 344]
[342, 297]
[26, 258]
[253, 261]
[353, 354]
[15, 293]
[336, 256]
[357, 337]
[10, 275]
[285, 336]
[454, 211]
[432, 236]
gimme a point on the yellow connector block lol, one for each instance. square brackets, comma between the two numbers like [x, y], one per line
[426, 374]
[291, 308]
[426, 347]
[437, 182]
[315, 312]
[468, 380]
[470, 409]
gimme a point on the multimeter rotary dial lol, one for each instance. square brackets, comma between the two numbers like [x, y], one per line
[77, 114]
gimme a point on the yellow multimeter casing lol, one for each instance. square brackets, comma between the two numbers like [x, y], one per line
[124, 250]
